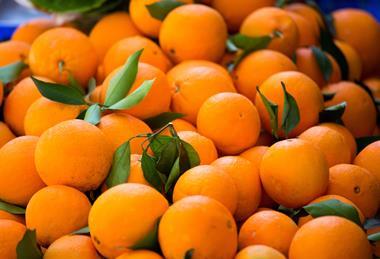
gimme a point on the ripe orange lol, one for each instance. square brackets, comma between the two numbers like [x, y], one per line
[353, 60]
[180, 125]
[330, 237]
[136, 174]
[199, 223]
[270, 228]
[193, 31]
[6, 134]
[11, 232]
[123, 212]
[373, 84]
[12, 51]
[222, 110]
[30, 30]
[265, 63]
[283, 168]
[55, 211]
[6, 215]
[255, 155]
[274, 22]
[209, 181]
[59, 160]
[140, 254]
[66, 47]
[192, 82]
[259, 251]
[19, 179]
[368, 158]
[307, 34]
[309, 13]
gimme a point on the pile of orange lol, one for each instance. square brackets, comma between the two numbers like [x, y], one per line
[267, 158]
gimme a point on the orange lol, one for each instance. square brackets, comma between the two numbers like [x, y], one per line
[44, 114]
[332, 143]
[303, 220]
[66, 47]
[119, 128]
[6, 215]
[330, 237]
[353, 60]
[124, 215]
[121, 50]
[18, 102]
[180, 125]
[210, 181]
[140, 254]
[255, 155]
[72, 247]
[274, 22]
[265, 63]
[282, 172]
[203, 146]
[11, 232]
[309, 13]
[307, 64]
[192, 82]
[199, 223]
[95, 96]
[110, 29]
[235, 12]
[12, 51]
[259, 251]
[30, 30]
[1, 93]
[361, 30]
[156, 101]
[360, 114]
[74, 153]
[219, 112]
[19, 179]
[373, 84]
[356, 184]
[270, 228]
[193, 31]
[307, 33]
[247, 181]
[136, 174]
[6, 134]
[305, 92]
[368, 158]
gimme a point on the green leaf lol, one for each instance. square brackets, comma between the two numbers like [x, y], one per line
[159, 10]
[281, 3]
[231, 46]
[333, 208]
[13, 209]
[121, 83]
[371, 223]
[191, 153]
[64, 6]
[135, 97]
[328, 96]
[362, 142]
[81, 115]
[91, 85]
[148, 165]
[93, 114]
[323, 62]
[272, 110]
[174, 174]
[11, 72]
[81, 231]
[59, 93]
[289, 211]
[121, 166]
[189, 254]
[291, 113]
[374, 237]
[333, 113]
[150, 240]
[162, 119]
[75, 84]
[158, 143]
[167, 157]
[27, 248]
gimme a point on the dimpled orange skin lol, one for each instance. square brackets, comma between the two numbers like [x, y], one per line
[199, 223]
[373, 84]
[259, 251]
[89, 164]
[30, 30]
[304, 90]
[123, 215]
[352, 58]
[303, 220]
[19, 179]
[12, 51]
[192, 82]
[44, 114]
[209, 181]
[6, 215]
[269, 228]
[255, 155]
[330, 237]
[65, 210]
[247, 181]
[203, 146]
[235, 13]
[307, 64]
[6, 134]
[222, 110]
[72, 247]
[184, 36]
[307, 34]
[121, 50]
[356, 184]
[359, 102]
[140, 254]
[368, 158]
[330, 142]
[265, 63]
[180, 125]
[309, 13]
[119, 128]
[110, 29]
[282, 172]
[155, 102]
[11, 233]
[361, 30]
[70, 47]
[266, 21]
